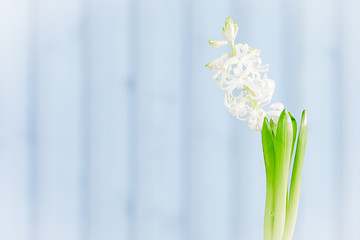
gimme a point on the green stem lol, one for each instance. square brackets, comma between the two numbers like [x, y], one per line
[233, 48]
[295, 186]
[284, 139]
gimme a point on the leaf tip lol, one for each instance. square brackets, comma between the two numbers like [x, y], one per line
[285, 116]
[265, 124]
[304, 118]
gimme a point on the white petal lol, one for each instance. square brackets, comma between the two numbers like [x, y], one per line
[218, 43]
[275, 111]
[277, 106]
[217, 63]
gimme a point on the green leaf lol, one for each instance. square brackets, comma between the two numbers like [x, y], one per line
[295, 186]
[268, 148]
[273, 126]
[294, 124]
[269, 158]
[284, 140]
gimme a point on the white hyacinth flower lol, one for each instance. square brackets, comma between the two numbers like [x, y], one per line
[241, 75]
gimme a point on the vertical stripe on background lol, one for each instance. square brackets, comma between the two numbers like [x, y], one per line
[59, 118]
[186, 78]
[291, 51]
[337, 122]
[210, 210]
[85, 120]
[159, 119]
[318, 218]
[350, 116]
[15, 203]
[132, 52]
[108, 75]
[32, 122]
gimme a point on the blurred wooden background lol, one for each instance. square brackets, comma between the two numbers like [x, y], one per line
[112, 128]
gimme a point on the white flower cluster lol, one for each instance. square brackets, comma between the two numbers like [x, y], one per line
[242, 77]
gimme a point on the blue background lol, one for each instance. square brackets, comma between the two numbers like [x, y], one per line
[111, 127]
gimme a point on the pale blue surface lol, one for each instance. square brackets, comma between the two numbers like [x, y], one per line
[112, 128]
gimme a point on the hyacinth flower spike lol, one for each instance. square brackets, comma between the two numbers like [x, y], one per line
[242, 76]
